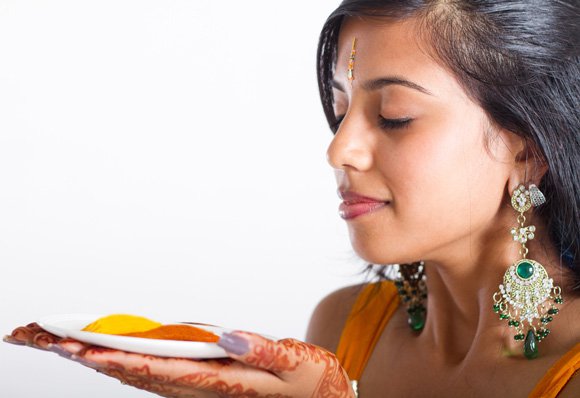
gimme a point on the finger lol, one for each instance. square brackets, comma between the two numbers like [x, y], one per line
[72, 346]
[43, 339]
[12, 340]
[144, 365]
[66, 348]
[279, 357]
[23, 334]
[34, 326]
[31, 335]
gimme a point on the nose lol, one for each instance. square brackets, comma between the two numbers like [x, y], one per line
[351, 146]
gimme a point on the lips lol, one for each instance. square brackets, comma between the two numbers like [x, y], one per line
[355, 204]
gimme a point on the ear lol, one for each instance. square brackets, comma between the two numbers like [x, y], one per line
[530, 165]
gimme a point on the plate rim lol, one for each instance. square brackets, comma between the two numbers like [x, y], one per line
[157, 346]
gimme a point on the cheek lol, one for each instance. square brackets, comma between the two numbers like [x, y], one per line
[444, 186]
[430, 166]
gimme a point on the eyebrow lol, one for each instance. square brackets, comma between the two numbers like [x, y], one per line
[376, 84]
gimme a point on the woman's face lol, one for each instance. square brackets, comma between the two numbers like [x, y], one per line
[442, 186]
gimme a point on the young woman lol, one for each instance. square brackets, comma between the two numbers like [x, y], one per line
[454, 121]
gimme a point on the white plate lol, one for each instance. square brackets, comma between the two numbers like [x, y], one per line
[70, 325]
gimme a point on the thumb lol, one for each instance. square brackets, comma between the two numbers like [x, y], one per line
[274, 356]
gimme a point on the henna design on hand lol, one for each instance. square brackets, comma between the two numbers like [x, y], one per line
[287, 355]
[165, 385]
[31, 335]
[181, 387]
[334, 382]
[288, 363]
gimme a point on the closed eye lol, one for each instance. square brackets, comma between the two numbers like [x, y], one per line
[391, 124]
[385, 124]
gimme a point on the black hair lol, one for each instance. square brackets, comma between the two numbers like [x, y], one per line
[520, 61]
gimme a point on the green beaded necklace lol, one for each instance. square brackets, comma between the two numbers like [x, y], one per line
[412, 289]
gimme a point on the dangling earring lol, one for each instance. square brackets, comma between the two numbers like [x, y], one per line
[527, 293]
[413, 290]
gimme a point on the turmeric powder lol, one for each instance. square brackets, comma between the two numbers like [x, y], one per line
[137, 326]
[177, 332]
[121, 323]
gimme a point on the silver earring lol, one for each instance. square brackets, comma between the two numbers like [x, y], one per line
[536, 196]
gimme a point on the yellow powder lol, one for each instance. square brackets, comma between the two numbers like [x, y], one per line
[121, 324]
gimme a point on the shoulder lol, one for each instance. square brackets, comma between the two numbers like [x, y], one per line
[572, 388]
[330, 315]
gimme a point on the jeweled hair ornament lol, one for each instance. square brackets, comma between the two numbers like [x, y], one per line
[351, 59]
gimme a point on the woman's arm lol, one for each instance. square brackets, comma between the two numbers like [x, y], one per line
[572, 389]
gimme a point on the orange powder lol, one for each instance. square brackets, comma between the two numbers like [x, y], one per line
[177, 332]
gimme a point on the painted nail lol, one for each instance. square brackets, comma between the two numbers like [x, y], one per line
[234, 343]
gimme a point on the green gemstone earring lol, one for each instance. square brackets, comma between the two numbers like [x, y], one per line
[528, 294]
[412, 289]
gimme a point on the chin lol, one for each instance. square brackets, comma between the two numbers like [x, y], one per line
[382, 254]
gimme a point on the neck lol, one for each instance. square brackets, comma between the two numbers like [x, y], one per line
[460, 319]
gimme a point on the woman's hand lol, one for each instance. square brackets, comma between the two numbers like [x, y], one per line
[32, 335]
[257, 367]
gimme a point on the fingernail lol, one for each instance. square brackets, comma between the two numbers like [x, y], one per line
[234, 343]
[59, 350]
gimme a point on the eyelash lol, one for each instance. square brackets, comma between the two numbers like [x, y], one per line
[385, 124]
[391, 124]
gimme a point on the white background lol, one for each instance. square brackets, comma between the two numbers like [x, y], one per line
[162, 158]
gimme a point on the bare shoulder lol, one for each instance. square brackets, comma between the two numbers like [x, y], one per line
[329, 317]
[572, 389]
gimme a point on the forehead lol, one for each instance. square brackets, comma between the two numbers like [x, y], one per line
[390, 48]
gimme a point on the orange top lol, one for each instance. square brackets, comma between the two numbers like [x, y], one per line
[372, 310]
